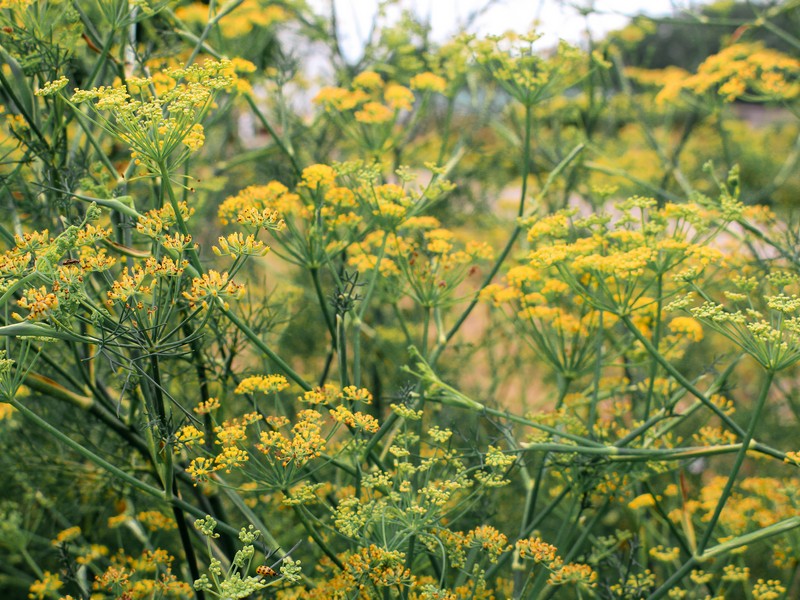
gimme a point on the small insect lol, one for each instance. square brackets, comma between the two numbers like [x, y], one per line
[71, 261]
[266, 571]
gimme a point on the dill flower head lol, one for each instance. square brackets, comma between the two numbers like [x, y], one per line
[266, 384]
[45, 587]
[213, 287]
[156, 125]
[746, 71]
[522, 71]
[428, 82]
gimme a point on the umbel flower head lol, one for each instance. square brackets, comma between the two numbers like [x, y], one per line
[524, 72]
[160, 127]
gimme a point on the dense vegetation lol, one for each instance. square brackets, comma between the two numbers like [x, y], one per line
[474, 319]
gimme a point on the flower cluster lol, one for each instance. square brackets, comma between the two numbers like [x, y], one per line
[155, 125]
[748, 72]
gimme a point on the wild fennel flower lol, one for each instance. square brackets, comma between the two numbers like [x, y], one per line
[733, 573]
[207, 406]
[642, 501]
[538, 551]
[45, 587]
[574, 574]
[489, 540]
[428, 82]
[155, 126]
[744, 71]
[772, 338]
[213, 287]
[318, 176]
[665, 555]
[520, 69]
[266, 384]
[236, 245]
[39, 302]
[262, 206]
[355, 420]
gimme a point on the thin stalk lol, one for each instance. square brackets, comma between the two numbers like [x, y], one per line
[656, 342]
[675, 578]
[514, 234]
[669, 368]
[341, 350]
[251, 335]
[114, 470]
[298, 510]
[166, 185]
[726, 492]
[323, 303]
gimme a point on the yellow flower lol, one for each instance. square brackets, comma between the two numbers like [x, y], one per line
[642, 501]
[666, 555]
[45, 587]
[204, 408]
[768, 590]
[265, 384]
[67, 535]
[687, 326]
[700, 577]
[374, 113]
[398, 97]
[428, 82]
[318, 176]
[213, 286]
[368, 80]
[339, 99]
[194, 138]
[538, 551]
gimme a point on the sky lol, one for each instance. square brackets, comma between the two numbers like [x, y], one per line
[558, 19]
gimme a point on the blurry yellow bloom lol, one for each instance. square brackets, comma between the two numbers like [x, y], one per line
[428, 82]
[368, 80]
[155, 520]
[666, 555]
[318, 176]
[266, 384]
[687, 326]
[374, 113]
[642, 501]
[204, 408]
[67, 535]
[339, 99]
[46, 587]
[398, 97]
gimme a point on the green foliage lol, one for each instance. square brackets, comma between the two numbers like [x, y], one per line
[482, 321]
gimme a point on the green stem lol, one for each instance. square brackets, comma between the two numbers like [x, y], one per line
[166, 185]
[754, 420]
[114, 470]
[341, 350]
[669, 368]
[323, 303]
[298, 510]
[251, 335]
[514, 234]
[675, 578]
